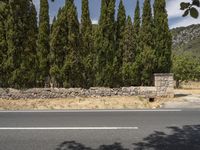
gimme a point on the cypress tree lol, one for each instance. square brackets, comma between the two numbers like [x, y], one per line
[163, 38]
[128, 54]
[121, 21]
[117, 64]
[137, 46]
[147, 61]
[87, 44]
[20, 62]
[147, 30]
[43, 43]
[53, 23]
[105, 44]
[72, 69]
[58, 47]
[146, 47]
[28, 62]
[136, 25]
[3, 42]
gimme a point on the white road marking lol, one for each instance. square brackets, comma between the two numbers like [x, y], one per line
[68, 128]
[82, 111]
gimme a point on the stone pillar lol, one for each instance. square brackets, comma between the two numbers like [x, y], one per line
[164, 83]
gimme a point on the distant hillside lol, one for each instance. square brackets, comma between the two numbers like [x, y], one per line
[186, 39]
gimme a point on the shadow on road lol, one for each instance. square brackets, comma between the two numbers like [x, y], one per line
[185, 138]
[72, 145]
[181, 95]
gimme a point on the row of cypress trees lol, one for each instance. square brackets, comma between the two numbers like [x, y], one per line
[114, 53]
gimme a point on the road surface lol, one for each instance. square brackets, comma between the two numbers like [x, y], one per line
[100, 130]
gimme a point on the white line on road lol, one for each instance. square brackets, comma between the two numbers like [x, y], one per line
[82, 111]
[68, 128]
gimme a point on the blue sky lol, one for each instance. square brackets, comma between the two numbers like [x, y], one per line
[175, 19]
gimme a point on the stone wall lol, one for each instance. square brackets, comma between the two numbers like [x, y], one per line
[163, 88]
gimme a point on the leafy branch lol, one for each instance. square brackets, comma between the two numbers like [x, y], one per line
[190, 8]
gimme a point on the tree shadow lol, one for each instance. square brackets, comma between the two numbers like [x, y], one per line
[185, 138]
[181, 138]
[72, 145]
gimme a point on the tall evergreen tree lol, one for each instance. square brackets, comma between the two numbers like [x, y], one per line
[43, 43]
[58, 46]
[163, 38]
[146, 62]
[21, 48]
[105, 44]
[117, 64]
[3, 42]
[53, 24]
[136, 25]
[136, 69]
[28, 62]
[72, 69]
[146, 46]
[128, 54]
[87, 44]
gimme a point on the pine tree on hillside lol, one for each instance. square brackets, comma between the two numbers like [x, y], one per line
[3, 43]
[105, 44]
[72, 69]
[117, 64]
[163, 38]
[87, 44]
[43, 43]
[128, 54]
[146, 44]
[58, 47]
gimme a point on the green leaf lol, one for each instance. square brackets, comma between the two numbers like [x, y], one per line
[196, 3]
[194, 12]
[184, 5]
[186, 13]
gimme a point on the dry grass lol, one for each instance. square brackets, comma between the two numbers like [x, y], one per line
[80, 103]
[187, 91]
[190, 85]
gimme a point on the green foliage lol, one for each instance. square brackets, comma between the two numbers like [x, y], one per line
[21, 30]
[3, 42]
[105, 44]
[73, 66]
[186, 67]
[190, 8]
[147, 45]
[146, 61]
[163, 38]
[43, 43]
[118, 54]
[87, 45]
[58, 47]
[129, 54]
[136, 26]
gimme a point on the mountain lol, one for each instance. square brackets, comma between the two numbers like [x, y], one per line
[186, 39]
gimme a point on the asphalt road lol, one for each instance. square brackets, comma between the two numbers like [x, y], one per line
[100, 130]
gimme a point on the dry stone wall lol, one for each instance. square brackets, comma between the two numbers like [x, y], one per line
[163, 88]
